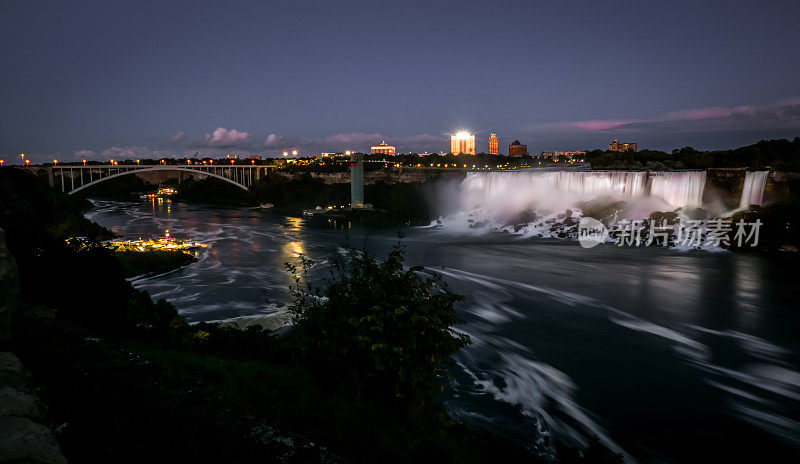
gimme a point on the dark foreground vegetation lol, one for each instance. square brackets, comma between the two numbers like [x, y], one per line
[126, 379]
[779, 155]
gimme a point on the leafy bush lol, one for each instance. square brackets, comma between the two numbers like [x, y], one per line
[376, 323]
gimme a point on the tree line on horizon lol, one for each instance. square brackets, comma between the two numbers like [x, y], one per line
[778, 155]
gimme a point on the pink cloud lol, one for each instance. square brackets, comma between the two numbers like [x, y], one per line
[222, 137]
[698, 113]
[600, 124]
[780, 114]
[180, 135]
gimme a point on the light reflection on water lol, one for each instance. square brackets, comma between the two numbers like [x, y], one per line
[632, 345]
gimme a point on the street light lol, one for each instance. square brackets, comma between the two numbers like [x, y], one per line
[84, 162]
[1, 163]
[137, 162]
[294, 152]
[27, 162]
[286, 153]
[55, 162]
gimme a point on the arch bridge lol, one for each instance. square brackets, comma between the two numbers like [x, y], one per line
[71, 179]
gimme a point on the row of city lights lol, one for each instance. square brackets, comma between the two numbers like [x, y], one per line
[294, 153]
[116, 163]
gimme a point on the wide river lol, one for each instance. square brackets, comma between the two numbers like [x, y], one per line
[666, 356]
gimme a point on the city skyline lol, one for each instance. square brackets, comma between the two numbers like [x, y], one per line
[259, 79]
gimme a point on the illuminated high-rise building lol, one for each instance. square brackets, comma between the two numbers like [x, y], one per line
[494, 144]
[462, 143]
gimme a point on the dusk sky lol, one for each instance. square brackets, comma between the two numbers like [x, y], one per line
[112, 79]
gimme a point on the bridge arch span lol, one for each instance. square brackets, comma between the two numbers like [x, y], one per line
[208, 173]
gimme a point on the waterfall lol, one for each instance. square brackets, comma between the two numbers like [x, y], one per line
[679, 189]
[548, 203]
[491, 189]
[753, 190]
[557, 188]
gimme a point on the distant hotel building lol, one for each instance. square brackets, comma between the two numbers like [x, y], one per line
[546, 155]
[494, 144]
[383, 149]
[462, 143]
[617, 146]
[517, 149]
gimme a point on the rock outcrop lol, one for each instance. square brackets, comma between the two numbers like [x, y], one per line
[23, 436]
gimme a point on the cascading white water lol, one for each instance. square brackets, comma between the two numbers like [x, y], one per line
[506, 190]
[753, 190]
[564, 188]
[536, 201]
[679, 189]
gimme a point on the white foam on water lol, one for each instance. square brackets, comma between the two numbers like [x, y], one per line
[755, 346]
[776, 424]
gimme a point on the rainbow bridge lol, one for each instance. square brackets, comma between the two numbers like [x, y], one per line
[71, 179]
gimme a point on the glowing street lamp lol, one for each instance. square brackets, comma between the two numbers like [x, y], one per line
[1, 163]
[286, 153]
[55, 162]
[231, 161]
[27, 162]
[84, 162]
[294, 152]
[137, 162]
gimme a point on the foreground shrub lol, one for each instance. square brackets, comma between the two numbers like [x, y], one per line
[378, 324]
